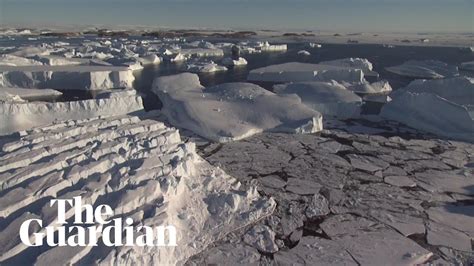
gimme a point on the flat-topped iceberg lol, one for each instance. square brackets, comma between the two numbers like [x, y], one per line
[328, 98]
[231, 111]
[360, 63]
[297, 72]
[17, 116]
[431, 113]
[428, 69]
[459, 90]
[81, 77]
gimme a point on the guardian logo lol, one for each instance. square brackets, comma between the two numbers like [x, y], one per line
[95, 226]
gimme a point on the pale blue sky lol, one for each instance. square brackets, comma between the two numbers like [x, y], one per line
[354, 15]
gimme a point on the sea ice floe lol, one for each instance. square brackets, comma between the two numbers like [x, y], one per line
[432, 113]
[204, 67]
[442, 107]
[372, 243]
[428, 69]
[231, 62]
[231, 111]
[459, 90]
[360, 63]
[328, 98]
[139, 167]
[296, 72]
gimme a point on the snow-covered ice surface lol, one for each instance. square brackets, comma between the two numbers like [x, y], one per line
[428, 69]
[80, 77]
[7, 94]
[231, 111]
[442, 107]
[295, 72]
[360, 63]
[431, 113]
[16, 116]
[370, 198]
[328, 98]
[138, 166]
[459, 90]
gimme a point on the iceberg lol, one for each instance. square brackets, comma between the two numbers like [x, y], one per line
[17, 116]
[81, 77]
[459, 90]
[202, 52]
[13, 60]
[231, 111]
[150, 59]
[360, 63]
[468, 66]
[298, 72]
[328, 98]
[431, 113]
[378, 87]
[429, 69]
[314, 45]
[204, 67]
[136, 165]
[231, 62]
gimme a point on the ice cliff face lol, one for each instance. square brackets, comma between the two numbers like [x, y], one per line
[79, 77]
[16, 116]
[139, 167]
